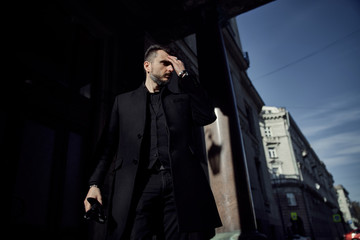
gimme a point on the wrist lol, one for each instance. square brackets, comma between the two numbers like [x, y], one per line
[94, 185]
[183, 74]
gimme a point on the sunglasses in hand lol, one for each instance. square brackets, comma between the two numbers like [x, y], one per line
[96, 212]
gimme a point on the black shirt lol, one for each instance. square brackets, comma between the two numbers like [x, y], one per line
[159, 145]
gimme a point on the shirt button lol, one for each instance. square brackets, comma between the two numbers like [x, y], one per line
[135, 161]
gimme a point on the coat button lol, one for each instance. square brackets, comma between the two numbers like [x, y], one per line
[139, 136]
[135, 161]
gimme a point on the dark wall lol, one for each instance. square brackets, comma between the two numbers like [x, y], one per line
[62, 73]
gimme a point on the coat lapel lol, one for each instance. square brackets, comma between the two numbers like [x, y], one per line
[138, 104]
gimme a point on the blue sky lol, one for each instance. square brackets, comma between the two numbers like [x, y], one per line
[305, 56]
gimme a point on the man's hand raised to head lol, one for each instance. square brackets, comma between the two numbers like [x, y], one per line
[177, 64]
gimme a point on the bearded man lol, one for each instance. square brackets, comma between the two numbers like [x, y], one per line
[159, 186]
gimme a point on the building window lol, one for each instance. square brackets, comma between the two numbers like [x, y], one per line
[261, 180]
[291, 199]
[275, 172]
[250, 119]
[272, 152]
[267, 131]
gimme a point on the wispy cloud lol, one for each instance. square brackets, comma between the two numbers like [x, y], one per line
[338, 149]
[333, 162]
[333, 130]
[319, 120]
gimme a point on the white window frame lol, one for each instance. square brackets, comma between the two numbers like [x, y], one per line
[272, 152]
[267, 131]
[291, 199]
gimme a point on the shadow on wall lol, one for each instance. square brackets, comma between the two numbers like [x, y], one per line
[214, 154]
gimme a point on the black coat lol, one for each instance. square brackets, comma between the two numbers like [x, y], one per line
[185, 108]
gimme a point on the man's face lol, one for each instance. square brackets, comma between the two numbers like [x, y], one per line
[160, 68]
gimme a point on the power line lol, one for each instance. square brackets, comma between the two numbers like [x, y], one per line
[308, 56]
[319, 108]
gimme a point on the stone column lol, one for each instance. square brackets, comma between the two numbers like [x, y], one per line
[221, 172]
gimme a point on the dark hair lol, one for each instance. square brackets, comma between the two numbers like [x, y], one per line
[150, 53]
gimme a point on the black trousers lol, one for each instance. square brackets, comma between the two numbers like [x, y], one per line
[155, 213]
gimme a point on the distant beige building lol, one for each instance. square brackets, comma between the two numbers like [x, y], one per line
[301, 183]
[345, 206]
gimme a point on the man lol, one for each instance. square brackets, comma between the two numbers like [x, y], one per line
[159, 187]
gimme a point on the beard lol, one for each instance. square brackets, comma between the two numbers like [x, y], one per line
[157, 79]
